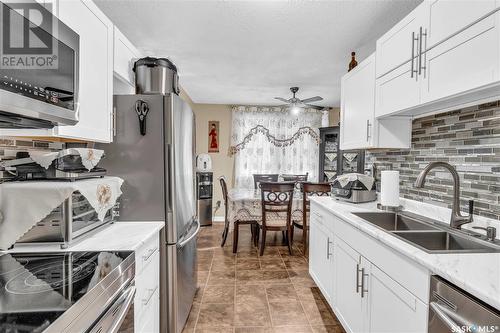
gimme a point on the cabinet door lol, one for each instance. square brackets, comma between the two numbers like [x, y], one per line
[347, 293]
[358, 106]
[397, 91]
[466, 61]
[125, 54]
[321, 257]
[395, 47]
[390, 307]
[96, 71]
[442, 24]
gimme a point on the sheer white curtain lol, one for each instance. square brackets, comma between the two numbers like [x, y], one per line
[273, 140]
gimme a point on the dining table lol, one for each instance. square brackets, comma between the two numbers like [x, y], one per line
[245, 205]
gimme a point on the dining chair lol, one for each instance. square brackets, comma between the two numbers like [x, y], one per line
[258, 178]
[298, 179]
[276, 201]
[309, 189]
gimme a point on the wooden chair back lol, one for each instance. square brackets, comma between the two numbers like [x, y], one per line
[277, 198]
[223, 185]
[295, 178]
[259, 178]
[310, 189]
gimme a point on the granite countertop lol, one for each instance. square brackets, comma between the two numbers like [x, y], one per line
[118, 236]
[476, 273]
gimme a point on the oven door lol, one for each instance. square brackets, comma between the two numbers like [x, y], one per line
[120, 315]
[38, 85]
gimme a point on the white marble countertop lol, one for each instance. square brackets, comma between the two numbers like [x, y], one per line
[119, 236]
[476, 273]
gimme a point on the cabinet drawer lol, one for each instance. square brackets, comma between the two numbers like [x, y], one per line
[145, 253]
[147, 284]
[321, 216]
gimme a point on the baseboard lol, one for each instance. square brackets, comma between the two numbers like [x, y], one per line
[218, 219]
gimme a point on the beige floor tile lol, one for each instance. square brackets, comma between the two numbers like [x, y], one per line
[292, 329]
[319, 312]
[247, 264]
[223, 264]
[202, 278]
[219, 294]
[288, 314]
[297, 263]
[275, 277]
[281, 293]
[250, 314]
[328, 329]
[221, 278]
[214, 330]
[253, 330]
[199, 294]
[301, 278]
[251, 294]
[215, 315]
[308, 293]
[272, 264]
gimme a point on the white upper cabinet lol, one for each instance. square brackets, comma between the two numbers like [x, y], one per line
[125, 54]
[452, 58]
[358, 125]
[95, 102]
[96, 71]
[468, 60]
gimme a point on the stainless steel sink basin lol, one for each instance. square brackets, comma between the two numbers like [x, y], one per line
[442, 241]
[394, 222]
[428, 235]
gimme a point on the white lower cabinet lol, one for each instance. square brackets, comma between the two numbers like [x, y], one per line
[362, 280]
[347, 299]
[321, 257]
[147, 282]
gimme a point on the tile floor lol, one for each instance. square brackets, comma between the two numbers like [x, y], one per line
[245, 293]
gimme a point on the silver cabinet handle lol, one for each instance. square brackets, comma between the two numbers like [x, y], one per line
[363, 290]
[328, 242]
[422, 34]
[368, 125]
[145, 301]
[413, 39]
[443, 316]
[358, 286]
[146, 257]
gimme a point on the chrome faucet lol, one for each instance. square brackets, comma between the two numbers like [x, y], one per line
[457, 219]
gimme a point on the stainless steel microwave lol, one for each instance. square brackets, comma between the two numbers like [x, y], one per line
[39, 65]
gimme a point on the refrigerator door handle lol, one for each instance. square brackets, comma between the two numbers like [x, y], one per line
[188, 239]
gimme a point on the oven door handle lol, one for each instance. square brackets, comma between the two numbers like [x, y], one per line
[127, 298]
[447, 320]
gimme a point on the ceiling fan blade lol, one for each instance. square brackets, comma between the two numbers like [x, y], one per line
[317, 107]
[312, 99]
[282, 99]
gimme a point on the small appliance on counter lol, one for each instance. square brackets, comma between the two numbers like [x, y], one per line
[67, 292]
[68, 164]
[70, 222]
[355, 188]
[155, 76]
[204, 187]
[203, 163]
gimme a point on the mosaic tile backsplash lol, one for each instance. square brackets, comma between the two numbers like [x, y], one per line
[10, 146]
[468, 139]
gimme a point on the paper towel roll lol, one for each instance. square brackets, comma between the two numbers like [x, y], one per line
[389, 188]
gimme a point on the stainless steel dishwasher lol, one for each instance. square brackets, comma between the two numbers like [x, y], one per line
[453, 310]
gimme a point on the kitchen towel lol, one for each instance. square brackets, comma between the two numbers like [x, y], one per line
[350, 177]
[389, 188]
[90, 157]
[23, 204]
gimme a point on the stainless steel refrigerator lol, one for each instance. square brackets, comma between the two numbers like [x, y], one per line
[155, 156]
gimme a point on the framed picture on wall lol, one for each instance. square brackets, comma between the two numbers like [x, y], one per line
[213, 136]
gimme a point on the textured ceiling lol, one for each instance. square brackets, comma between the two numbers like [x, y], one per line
[247, 52]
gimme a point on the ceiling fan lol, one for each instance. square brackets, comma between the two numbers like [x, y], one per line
[297, 104]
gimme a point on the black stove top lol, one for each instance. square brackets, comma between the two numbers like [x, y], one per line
[37, 288]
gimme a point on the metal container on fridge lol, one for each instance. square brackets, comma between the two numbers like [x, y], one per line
[156, 76]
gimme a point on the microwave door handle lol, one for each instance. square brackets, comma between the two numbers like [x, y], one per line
[183, 242]
[129, 298]
[447, 320]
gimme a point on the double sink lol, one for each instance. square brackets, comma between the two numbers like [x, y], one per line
[429, 235]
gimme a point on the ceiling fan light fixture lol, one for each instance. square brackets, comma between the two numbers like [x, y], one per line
[295, 109]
